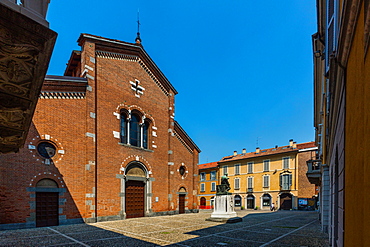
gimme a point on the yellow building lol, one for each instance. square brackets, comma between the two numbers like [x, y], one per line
[208, 180]
[341, 119]
[270, 177]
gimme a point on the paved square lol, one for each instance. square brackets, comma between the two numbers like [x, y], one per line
[258, 228]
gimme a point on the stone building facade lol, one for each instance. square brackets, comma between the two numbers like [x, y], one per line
[104, 144]
[275, 175]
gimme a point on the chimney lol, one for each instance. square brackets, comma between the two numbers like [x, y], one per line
[244, 151]
[294, 145]
[257, 150]
[291, 143]
[235, 153]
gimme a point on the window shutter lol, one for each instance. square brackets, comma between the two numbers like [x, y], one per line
[280, 181]
[331, 19]
[290, 181]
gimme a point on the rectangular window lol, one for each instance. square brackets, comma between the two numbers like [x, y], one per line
[250, 184]
[286, 162]
[213, 175]
[213, 186]
[202, 187]
[331, 30]
[250, 167]
[225, 170]
[266, 165]
[236, 183]
[266, 181]
[237, 169]
[202, 176]
[285, 181]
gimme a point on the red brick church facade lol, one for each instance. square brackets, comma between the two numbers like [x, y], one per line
[104, 144]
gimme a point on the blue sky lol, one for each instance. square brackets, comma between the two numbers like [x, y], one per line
[243, 68]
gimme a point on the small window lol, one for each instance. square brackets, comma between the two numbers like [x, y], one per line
[123, 132]
[202, 187]
[225, 170]
[285, 181]
[213, 175]
[237, 184]
[182, 170]
[213, 186]
[145, 134]
[250, 167]
[237, 169]
[250, 183]
[286, 162]
[202, 176]
[266, 181]
[46, 149]
[266, 165]
[135, 130]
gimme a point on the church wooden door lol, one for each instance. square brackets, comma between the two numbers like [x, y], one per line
[181, 204]
[47, 209]
[134, 199]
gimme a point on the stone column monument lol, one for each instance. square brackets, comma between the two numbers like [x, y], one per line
[224, 204]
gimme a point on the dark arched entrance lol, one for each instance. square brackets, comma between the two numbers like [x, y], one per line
[203, 202]
[135, 191]
[250, 202]
[286, 201]
[237, 201]
[182, 195]
[47, 203]
[266, 200]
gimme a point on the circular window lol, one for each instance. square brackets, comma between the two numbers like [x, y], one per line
[182, 170]
[46, 149]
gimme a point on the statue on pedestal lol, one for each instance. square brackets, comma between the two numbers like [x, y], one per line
[224, 187]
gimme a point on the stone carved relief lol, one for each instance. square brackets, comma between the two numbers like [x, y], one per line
[13, 117]
[17, 63]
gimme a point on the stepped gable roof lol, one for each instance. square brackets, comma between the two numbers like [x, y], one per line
[185, 137]
[267, 152]
[131, 49]
[53, 83]
[207, 165]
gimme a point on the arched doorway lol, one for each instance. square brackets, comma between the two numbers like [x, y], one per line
[237, 201]
[182, 194]
[286, 201]
[135, 190]
[250, 202]
[203, 202]
[47, 203]
[266, 201]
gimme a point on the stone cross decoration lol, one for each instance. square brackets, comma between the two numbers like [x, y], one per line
[139, 90]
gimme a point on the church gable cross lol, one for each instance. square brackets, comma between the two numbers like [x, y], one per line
[139, 90]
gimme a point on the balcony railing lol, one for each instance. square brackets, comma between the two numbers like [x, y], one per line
[314, 171]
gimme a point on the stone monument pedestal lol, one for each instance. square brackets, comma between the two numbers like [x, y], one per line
[224, 210]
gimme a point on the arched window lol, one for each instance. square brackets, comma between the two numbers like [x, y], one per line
[145, 134]
[135, 130]
[123, 128]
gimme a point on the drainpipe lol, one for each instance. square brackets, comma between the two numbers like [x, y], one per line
[96, 138]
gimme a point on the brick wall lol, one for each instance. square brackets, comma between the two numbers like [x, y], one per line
[90, 168]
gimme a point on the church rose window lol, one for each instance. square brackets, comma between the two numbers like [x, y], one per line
[46, 149]
[182, 170]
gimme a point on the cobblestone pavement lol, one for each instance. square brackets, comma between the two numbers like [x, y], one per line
[258, 228]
